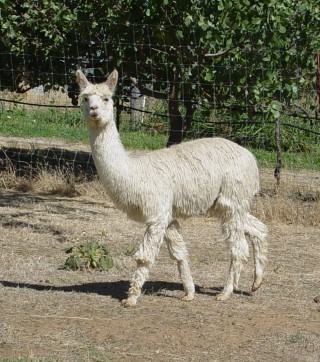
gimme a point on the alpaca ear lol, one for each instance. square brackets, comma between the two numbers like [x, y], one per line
[81, 80]
[112, 80]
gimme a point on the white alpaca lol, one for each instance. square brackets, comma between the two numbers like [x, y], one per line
[213, 176]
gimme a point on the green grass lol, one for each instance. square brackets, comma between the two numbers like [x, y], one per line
[142, 141]
[64, 124]
[290, 160]
[67, 124]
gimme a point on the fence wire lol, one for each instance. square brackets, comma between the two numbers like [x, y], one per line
[220, 102]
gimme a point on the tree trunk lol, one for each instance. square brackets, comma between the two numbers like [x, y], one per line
[176, 123]
[278, 149]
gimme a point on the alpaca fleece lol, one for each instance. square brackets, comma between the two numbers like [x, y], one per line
[211, 175]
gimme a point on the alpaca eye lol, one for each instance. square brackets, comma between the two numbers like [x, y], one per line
[86, 99]
[105, 99]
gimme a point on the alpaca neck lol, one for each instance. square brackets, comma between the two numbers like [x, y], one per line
[110, 157]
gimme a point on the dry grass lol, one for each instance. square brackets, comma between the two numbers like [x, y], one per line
[50, 182]
[50, 314]
[295, 201]
[34, 96]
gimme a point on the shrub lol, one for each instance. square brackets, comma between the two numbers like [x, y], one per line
[89, 256]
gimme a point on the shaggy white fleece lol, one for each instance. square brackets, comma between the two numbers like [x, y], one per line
[211, 175]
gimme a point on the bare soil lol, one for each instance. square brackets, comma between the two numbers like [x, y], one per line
[51, 314]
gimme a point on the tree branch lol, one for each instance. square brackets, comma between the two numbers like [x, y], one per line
[216, 55]
[148, 92]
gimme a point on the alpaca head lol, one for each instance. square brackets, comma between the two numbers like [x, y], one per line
[97, 99]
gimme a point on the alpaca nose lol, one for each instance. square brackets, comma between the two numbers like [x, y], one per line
[93, 107]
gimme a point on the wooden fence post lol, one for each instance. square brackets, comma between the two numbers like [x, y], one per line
[277, 171]
[318, 86]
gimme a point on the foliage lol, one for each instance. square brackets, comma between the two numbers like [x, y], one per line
[25, 25]
[300, 149]
[89, 256]
[264, 50]
[33, 41]
[259, 134]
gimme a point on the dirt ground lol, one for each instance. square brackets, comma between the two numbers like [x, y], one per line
[51, 314]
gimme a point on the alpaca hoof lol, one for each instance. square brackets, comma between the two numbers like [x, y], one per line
[127, 303]
[256, 285]
[223, 296]
[188, 298]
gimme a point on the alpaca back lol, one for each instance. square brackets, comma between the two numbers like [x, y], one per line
[191, 176]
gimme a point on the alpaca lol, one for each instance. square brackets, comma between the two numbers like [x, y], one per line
[205, 176]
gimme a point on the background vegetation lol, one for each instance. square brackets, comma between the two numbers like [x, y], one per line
[263, 59]
[300, 150]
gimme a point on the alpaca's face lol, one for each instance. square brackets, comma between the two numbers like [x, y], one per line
[97, 109]
[97, 100]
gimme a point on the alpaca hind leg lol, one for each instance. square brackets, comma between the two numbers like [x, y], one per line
[256, 232]
[239, 252]
[145, 257]
[178, 252]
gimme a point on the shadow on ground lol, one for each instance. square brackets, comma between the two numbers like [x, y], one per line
[118, 290]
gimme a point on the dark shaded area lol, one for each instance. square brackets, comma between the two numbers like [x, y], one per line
[28, 161]
[118, 290]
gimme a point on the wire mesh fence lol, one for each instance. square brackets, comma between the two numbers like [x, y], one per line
[169, 86]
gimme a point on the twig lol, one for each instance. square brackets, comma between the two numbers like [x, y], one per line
[59, 316]
[215, 55]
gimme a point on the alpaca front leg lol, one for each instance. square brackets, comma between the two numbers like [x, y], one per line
[138, 279]
[185, 275]
[145, 257]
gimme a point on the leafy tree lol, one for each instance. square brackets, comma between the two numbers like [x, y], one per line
[263, 52]
[32, 35]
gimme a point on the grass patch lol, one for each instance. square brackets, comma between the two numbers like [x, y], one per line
[67, 124]
[295, 202]
[291, 160]
[64, 124]
[142, 141]
[298, 337]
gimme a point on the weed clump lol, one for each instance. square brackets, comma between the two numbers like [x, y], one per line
[89, 256]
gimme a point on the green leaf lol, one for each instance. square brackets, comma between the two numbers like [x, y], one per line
[106, 262]
[282, 29]
[73, 262]
[179, 34]
[220, 6]
[275, 108]
[90, 255]
[208, 77]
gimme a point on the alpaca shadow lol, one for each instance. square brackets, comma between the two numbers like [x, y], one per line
[118, 290]
[217, 290]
